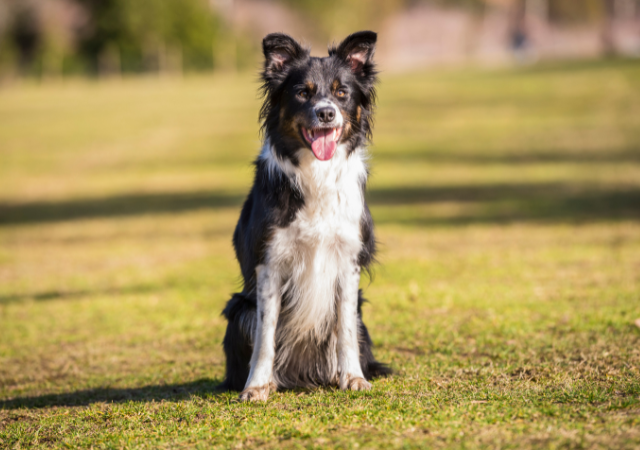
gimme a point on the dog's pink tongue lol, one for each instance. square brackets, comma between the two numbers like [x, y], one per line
[323, 146]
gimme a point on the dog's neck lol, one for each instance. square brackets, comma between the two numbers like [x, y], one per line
[313, 177]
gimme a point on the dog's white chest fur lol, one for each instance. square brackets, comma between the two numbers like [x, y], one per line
[317, 252]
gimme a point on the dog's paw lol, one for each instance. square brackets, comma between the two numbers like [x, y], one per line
[359, 384]
[256, 394]
[355, 384]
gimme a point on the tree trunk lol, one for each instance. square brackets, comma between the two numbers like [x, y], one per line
[608, 40]
[519, 38]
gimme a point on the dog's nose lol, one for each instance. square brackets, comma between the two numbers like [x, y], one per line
[326, 114]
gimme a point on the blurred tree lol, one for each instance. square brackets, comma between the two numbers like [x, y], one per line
[22, 37]
[474, 5]
[112, 36]
[518, 34]
[608, 41]
[574, 11]
[332, 19]
[36, 36]
[165, 35]
[337, 17]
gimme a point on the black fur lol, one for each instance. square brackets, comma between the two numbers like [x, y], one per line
[288, 66]
[236, 345]
[274, 201]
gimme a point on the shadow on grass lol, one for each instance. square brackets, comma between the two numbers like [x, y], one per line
[75, 294]
[539, 203]
[116, 206]
[170, 392]
[442, 156]
[557, 202]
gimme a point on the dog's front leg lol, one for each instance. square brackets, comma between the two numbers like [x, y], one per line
[260, 381]
[351, 376]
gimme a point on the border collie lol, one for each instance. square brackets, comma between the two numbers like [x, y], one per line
[305, 231]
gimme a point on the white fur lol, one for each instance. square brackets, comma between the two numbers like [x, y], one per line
[348, 350]
[275, 164]
[263, 354]
[320, 245]
[314, 260]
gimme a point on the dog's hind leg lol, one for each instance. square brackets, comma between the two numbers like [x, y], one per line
[260, 381]
[241, 316]
[370, 367]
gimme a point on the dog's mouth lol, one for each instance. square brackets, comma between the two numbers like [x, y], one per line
[323, 141]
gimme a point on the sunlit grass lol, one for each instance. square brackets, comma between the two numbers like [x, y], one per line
[507, 206]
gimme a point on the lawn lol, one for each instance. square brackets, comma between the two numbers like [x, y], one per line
[507, 205]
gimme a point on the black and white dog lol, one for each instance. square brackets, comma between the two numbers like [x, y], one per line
[305, 231]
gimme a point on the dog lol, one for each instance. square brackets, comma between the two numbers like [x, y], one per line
[305, 232]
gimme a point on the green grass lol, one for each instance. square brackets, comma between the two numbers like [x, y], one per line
[507, 206]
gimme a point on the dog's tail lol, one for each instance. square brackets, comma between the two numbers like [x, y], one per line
[376, 369]
[240, 313]
[370, 367]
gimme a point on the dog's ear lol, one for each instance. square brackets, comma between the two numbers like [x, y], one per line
[280, 52]
[357, 50]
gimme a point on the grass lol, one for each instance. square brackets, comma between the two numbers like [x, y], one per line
[507, 205]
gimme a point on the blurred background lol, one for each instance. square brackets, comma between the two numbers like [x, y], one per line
[52, 38]
[505, 189]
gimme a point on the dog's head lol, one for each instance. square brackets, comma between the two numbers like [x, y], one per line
[318, 103]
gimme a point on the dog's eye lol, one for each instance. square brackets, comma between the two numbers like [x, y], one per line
[341, 93]
[303, 94]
